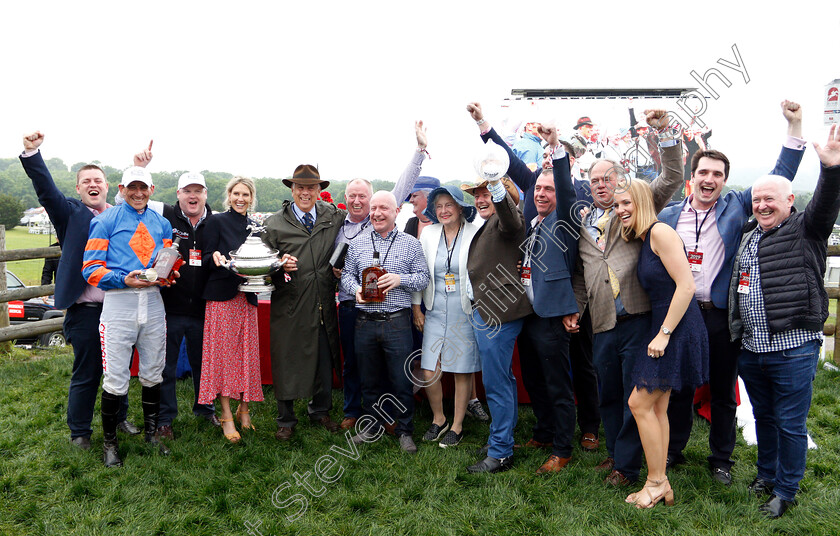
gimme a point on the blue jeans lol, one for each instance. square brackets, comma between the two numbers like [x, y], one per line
[81, 327]
[382, 348]
[780, 385]
[350, 373]
[179, 327]
[614, 353]
[496, 352]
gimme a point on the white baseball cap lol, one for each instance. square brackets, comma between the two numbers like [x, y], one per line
[136, 173]
[191, 177]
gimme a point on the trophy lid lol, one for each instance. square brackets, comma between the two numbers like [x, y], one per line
[253, 248]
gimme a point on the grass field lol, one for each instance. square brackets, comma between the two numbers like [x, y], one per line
[28, 271]
[208, 487]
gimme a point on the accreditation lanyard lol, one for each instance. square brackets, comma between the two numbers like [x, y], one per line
[449, 277]
[373, 243]
[695, 257]
[525, 271]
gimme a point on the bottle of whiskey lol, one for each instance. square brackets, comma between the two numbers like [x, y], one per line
[370, 281]
[168, 260]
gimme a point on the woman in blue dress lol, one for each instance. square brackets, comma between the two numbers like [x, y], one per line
[677, 356]
[448, 339]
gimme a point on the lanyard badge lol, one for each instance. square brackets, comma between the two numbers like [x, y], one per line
[744, 283]
[525, 276]
[449, 282]
[195, 257]
[695, 260]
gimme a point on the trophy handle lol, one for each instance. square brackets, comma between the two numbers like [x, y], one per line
[276, 265]
[228, 264]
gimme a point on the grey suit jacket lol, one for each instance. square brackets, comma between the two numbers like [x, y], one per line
[592, 281]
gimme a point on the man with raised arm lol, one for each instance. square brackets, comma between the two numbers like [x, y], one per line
[710, 226]
[383, 329]
[83, 302]
[121, 243]
[605, 281]
[304, 323]
[777, 307]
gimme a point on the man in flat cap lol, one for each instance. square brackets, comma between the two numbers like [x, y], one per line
[304, 320]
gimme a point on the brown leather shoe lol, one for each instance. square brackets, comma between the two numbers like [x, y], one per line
[534, 444]
[606, 465]
[589, 442]
[330, 425]
[284, 433]
[553, 464]
[348, 423]
[390, 429]
[165, 432]
[616, 479]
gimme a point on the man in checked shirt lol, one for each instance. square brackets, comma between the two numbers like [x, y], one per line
[383, 330]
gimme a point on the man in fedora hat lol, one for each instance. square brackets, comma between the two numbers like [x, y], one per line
[304, 322]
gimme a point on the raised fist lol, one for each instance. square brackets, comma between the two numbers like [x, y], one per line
[33, 141]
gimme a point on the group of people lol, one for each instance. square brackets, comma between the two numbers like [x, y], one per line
[618, 301]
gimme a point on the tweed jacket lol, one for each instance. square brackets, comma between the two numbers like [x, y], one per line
[591, 279]
[494, 252]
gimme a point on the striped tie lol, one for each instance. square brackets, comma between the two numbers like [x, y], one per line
[601, 224]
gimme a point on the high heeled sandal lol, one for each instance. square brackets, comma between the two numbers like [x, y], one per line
[239, 414]
[667, 495]
[234, 437]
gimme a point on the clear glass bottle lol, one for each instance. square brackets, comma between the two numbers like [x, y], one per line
[168, 261]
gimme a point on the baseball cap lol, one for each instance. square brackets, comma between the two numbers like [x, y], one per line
[136, 173]
[191, 177]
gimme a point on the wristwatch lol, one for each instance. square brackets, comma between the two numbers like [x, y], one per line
[666, 331]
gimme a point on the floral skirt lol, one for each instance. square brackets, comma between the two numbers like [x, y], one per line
[230, 364]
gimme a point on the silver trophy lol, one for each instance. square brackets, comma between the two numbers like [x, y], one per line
[254, 261]
[492, 162]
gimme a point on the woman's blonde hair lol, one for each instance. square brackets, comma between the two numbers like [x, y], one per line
[249, 183]
[644, 213]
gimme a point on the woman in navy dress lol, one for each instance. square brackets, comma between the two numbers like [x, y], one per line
[677, 356]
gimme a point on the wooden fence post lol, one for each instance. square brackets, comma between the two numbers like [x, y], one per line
[5, 347]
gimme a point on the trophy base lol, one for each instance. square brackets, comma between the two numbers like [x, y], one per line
[256, 284]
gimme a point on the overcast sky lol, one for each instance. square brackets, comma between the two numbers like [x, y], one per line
[257, 88]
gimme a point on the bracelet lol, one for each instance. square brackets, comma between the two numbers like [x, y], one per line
[423, 150]
[480, 122]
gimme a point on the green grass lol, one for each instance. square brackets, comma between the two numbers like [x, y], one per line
[28, 271]
[208, 487]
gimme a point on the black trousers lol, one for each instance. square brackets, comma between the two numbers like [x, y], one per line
[723, 383]
[584, 378]
[547, 375]
[321, 402]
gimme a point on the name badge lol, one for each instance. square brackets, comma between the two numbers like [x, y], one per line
[449, 281]
[695, 260]
[744, 283]
[195, 257]
[525, 276]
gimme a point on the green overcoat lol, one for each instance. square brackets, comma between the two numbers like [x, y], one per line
[300, 305]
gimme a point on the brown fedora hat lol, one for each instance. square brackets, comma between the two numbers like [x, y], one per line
[306, 175]
[511, 188]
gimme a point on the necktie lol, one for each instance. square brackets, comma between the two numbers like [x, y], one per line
[308, 221]
[601, 224]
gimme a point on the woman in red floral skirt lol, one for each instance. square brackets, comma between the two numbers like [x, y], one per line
[231, 362]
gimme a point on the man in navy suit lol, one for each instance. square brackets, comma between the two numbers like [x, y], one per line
[71, 219]
[580, 344]
[710, 225]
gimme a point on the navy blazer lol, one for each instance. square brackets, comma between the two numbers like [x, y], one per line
[732, 212]
[555, 250]
[523, 177]
[71, 219]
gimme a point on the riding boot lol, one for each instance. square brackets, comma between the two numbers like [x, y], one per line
[110, 410]
[151, 408]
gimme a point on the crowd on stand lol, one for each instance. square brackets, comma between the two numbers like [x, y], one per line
[621, 302]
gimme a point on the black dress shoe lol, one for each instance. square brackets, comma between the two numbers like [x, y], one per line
[491, 465]
[722, 475]
[760, 487]
[212, 419]
[775, 507]
[674, 460]
[127, 428]
[83, 442]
